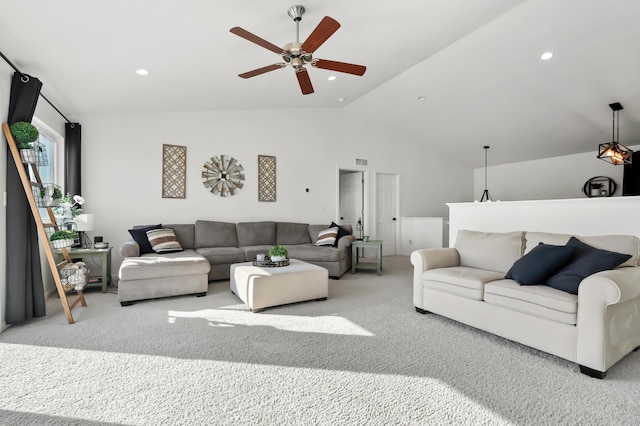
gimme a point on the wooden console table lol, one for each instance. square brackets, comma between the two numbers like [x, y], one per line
[356, 263]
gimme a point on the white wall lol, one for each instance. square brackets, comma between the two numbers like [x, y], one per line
[551, 178]
[122, 165]
[582, 217]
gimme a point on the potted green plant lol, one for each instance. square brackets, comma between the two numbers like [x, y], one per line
[278, 253]
[62, 238]
[25, 134]
[50, 196]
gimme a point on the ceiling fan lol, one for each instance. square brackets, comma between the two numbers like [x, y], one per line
[299, 54]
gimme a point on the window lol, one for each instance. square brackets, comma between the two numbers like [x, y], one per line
[49, 149]
[46, 149]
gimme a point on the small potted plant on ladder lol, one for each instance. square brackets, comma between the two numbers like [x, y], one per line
[25, 134]
[62, 238]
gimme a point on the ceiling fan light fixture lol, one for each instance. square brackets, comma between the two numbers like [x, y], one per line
[298, 54]
[614, 152]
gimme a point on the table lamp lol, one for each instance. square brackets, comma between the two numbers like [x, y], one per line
[84, 222]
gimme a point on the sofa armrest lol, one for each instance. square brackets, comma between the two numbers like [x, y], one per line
[346, 241]
[130, 249]
[434, 258]
[608, 317]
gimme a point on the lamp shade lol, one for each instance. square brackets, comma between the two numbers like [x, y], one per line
[85, 222]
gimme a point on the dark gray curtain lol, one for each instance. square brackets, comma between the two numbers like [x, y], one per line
[72, 162]
[25, 291]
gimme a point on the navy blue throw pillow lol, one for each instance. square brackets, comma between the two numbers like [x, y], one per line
[586, 261]
[341, 232]
[540, 263]
[139, 235]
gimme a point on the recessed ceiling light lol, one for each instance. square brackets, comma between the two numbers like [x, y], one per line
[421, 98]
[331, 77]
[340, 99]
[142, 71]
[546, 56]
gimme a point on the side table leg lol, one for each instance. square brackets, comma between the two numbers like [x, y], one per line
[354, 259]
[105, 265]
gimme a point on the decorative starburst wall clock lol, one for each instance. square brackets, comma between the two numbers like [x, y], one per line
[223, 175]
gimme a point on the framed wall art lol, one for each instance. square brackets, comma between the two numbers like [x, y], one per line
[266, 178]
[174, 171]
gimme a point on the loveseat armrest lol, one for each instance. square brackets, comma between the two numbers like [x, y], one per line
[346, 241]
[608, 317]
[130, 249]
[426, 259]
[434, 258]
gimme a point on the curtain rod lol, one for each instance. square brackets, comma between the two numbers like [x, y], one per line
[41, 95]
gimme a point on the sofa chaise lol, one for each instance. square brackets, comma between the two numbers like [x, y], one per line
[595, 328]
[209, 248]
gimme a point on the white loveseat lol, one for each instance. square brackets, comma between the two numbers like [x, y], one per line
[594, 328]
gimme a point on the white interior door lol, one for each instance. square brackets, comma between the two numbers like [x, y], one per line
[386, 212]
[351, 199]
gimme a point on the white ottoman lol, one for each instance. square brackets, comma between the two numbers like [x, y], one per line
[261, 288]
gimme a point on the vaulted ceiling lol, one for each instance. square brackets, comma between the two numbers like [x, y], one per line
[475, 64]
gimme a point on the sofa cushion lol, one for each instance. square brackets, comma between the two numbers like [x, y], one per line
[185, 233]
[311, 253]
[292, 233]
[222, 255]
[327, 237]
[538, 300]
[215, 234]
[586, 261]
[256, 233]
[628, 244]
[139, 234]
[540, 263]
[492, 251]
[251, 251]
[460, 280]
[163, 240]
[153, 265]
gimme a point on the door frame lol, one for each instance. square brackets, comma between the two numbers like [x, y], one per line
[366, 199]
[375, 204]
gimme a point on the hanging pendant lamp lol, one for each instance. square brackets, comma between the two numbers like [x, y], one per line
[485, 193]
[614, 152]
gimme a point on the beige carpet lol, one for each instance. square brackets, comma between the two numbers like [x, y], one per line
[363, 357]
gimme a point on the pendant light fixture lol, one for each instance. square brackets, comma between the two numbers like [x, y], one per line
[485, 193]
[613, 152]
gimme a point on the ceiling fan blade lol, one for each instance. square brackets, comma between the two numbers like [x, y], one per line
[262, 70]
[304, 81]
[257, 40]
[339, 66]
[320, 34]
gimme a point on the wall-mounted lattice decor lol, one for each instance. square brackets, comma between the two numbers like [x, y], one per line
[266, 178]
[174, 171]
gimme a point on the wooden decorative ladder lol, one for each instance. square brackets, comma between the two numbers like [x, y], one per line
[28, 186]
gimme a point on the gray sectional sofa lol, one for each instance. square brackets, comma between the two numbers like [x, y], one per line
[211, 247]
